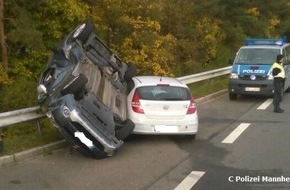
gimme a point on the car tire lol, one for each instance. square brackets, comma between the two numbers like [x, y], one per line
[233, 96]
[75, 86]
[125, 131]
[287, 90]
[189, 137]
[81, 33]
[131, 72]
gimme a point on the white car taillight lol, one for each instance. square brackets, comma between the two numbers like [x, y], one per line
[192, 107]
[136, 105]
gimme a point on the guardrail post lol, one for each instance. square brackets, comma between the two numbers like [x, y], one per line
[211, 82]
[38, 126]
[1, 144]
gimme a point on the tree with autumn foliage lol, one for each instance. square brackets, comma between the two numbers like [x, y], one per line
[32, 30]
[165, 37]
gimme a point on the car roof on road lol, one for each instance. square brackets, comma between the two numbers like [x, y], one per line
[154, 80]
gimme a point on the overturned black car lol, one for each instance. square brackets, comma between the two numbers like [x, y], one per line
[83, 90]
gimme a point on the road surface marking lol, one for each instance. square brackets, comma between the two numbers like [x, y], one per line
[190, 180]
[236, 133]
[265, 104]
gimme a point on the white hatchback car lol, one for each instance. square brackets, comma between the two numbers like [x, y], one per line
[161, 105]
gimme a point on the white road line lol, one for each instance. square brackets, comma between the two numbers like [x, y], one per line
[190, 180]
[236, 133]
[265, 104]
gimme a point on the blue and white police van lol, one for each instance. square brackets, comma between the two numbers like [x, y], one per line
[251, 67]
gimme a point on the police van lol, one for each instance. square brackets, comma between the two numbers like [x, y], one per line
[251, 67]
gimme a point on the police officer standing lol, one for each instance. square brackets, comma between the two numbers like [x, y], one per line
[278, 73]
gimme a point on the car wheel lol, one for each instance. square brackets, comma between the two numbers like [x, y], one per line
[131, 72]
[125, 131]
[233, 96]
[188, 137]
[287, 90]
[81, 32]
[75, 86]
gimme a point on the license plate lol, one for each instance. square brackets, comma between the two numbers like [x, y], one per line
[252, 89]
[166, 128]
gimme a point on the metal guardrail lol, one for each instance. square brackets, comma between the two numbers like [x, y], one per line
[19, 116]
[205, 75]
[34, 113]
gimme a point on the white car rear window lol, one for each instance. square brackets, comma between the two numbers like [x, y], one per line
[166, 93]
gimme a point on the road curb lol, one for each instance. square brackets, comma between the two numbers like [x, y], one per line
[46, 149]
[210, 96]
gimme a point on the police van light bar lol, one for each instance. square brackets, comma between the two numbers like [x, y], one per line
[256, 41]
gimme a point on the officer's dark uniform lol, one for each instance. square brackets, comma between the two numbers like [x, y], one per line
[278, 73]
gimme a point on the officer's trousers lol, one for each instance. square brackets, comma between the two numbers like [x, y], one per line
[278, 92]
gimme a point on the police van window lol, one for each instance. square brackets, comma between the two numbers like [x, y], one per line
[257, 56]
[287, 56]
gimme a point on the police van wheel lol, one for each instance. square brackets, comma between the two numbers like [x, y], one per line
[233, 96]
[287, 90]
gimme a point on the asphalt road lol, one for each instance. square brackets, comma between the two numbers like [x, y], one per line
[238, 147]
